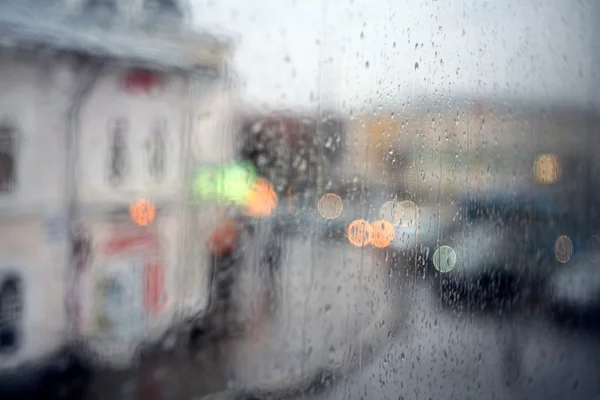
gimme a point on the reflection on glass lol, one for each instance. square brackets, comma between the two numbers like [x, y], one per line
[382, 234]
[330, 206]
[359, 232]
[409, 213]
[261, 198]
[391, 211]
[563, 249]
[547, 168]
[142, 212]
[444, 259]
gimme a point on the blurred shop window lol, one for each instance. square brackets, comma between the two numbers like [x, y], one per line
[156, 151]
[11, 306]
[117, 152]
[7, 159]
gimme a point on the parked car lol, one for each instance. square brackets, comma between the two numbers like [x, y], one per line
[572, 294]
[502, 247]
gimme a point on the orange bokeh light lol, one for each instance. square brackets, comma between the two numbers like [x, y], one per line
[359, 232]
[261, 199]
[330, 206]
[142, 212]
[382, 234]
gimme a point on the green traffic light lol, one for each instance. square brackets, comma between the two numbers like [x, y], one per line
[224, 182]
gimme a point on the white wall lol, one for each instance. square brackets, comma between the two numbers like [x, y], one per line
[215, 126]
[34, 96]
[26, 247]
[108, 102]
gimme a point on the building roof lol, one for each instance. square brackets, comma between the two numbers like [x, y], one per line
[34, 24]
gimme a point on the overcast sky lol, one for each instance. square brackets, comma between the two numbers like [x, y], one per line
[366, 53]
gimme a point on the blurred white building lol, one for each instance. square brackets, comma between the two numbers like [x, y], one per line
[103, 102]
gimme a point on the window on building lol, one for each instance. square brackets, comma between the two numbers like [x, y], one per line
[7, 159]
[156, 151]
[11, 307]
[117, 159]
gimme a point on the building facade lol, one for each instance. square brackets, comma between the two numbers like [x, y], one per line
[104, 105]
[468, 145]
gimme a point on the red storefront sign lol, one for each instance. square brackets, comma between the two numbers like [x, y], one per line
[144, 247]
[141, 81]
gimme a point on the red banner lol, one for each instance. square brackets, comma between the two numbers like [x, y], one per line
[154, 287]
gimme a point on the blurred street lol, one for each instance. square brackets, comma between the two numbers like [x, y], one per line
[447, 356]
[436, 353]
[334, 298]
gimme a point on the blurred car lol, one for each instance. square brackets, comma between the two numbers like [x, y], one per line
[501, 247]
[572, 294]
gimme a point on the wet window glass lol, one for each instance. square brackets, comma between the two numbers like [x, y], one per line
[341, 199]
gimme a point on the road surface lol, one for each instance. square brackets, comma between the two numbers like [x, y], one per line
[341, 308]
[443, 355]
